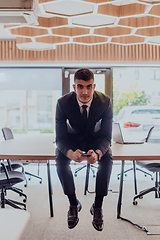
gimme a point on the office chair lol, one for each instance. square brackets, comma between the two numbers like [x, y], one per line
[9, 168]
[89, 167]
[15, 164]
[153, 166]
[7, 180]
[85, 166]
[7, 134]
[137, 169]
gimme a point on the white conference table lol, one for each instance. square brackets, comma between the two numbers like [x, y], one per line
[146, 151]
[33, 149]
[42, 149]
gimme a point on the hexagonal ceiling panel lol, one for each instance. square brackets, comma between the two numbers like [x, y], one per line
[69, 8]
[123, 10]
[29, 31]
[112, 31]
[128, 39]
[70, 31]
[52, 39]
[90, 40]
[154, 40]
[89, 22]
[93, 20]
[137, 22]
[155, 31]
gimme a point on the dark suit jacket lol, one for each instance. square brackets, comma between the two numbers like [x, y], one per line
[71, 132]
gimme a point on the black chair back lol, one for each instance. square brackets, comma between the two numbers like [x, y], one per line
[149, 133]
[7, 133]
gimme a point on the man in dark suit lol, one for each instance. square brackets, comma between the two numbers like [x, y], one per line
[84, 124]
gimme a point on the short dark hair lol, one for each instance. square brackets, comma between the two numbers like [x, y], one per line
[84, 74]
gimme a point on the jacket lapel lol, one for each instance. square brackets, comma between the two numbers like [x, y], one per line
[75, 109]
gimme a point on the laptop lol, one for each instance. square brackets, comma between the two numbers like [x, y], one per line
[118, 137]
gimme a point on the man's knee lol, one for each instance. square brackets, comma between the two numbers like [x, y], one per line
[107, 158]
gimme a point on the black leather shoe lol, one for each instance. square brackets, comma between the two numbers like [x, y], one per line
[97, 218]
[72, 216]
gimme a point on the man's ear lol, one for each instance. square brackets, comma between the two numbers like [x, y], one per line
[74, 87]
[94, 86]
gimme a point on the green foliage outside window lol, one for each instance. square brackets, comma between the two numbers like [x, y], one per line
[133, 96]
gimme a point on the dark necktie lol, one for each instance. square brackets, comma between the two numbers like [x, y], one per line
[84, 113]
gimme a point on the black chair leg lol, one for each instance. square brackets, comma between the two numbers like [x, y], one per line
[79, 169]
[3, 193]
[85, 166]
[15, 203]
[135, 179]
[142, 193]
[19, 192]
[10, 202]
[148, 190]
[159, 186]
[156, 186]
[145, 173]
[137, 169]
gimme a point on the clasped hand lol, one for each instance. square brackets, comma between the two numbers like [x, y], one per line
[77, 156]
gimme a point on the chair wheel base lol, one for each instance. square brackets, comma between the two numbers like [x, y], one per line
[135, 202]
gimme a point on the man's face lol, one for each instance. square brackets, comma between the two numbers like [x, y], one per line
[84, 90]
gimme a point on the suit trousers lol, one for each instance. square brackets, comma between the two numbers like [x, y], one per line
[102, 178]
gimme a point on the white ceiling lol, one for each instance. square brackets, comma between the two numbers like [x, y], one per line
[87, 22]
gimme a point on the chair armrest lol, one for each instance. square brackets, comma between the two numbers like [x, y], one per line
[9, 165]
[6, 171]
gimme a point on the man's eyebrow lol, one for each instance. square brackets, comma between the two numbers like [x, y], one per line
[80, 85]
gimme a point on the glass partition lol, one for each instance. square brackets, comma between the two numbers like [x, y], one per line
[28, 99]
[136, 101]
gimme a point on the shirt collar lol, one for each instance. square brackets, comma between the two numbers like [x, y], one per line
[88, 103]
